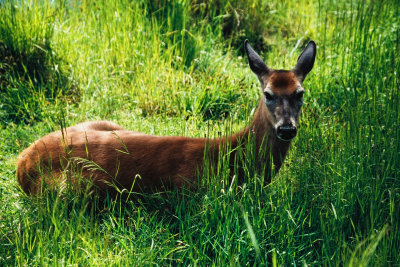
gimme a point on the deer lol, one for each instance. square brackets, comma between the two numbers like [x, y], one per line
[147, 163]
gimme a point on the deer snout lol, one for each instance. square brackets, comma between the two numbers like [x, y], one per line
[286, 132]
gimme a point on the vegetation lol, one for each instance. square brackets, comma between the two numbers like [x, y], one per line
[177, 68]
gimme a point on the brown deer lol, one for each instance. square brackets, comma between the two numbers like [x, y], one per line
[144, 163]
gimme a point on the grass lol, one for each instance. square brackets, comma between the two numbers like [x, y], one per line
[177, 68]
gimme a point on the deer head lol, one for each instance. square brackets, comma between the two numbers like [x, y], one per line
[283, 90]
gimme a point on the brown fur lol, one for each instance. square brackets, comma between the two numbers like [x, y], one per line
[161, 162]
[95, 126]
[283, 82]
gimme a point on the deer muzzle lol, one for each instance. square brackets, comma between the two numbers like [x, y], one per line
[286, 132]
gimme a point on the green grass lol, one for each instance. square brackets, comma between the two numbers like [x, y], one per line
[177, 68]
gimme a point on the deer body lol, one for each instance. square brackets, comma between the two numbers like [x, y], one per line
[142, 162]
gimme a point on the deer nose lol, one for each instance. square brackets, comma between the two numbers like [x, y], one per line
[287, 132]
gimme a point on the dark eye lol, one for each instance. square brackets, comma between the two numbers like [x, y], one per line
[299, 95]
[268, 96]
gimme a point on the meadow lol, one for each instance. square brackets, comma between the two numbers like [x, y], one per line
[179, 68]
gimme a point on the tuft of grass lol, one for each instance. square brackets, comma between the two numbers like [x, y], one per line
[31, 74]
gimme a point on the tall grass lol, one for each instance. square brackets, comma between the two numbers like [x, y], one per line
[32, 74]
[176, 68]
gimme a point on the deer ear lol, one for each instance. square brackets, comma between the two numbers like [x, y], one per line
[256, 64]
[305, 62]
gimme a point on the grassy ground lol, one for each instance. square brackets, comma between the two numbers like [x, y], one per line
[177, 68]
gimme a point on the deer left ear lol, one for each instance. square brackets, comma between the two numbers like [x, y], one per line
[305, 62]
[257, 65]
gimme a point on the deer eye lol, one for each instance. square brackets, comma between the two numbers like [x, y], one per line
[268, 96]
[299, 95]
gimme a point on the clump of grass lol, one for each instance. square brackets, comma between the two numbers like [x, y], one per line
[258, 21]
[31, 73]
[234, 20]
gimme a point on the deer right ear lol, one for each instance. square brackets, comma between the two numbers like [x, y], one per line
[305, 62]
[256, 64]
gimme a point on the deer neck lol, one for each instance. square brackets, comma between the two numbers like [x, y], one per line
[262, 132]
